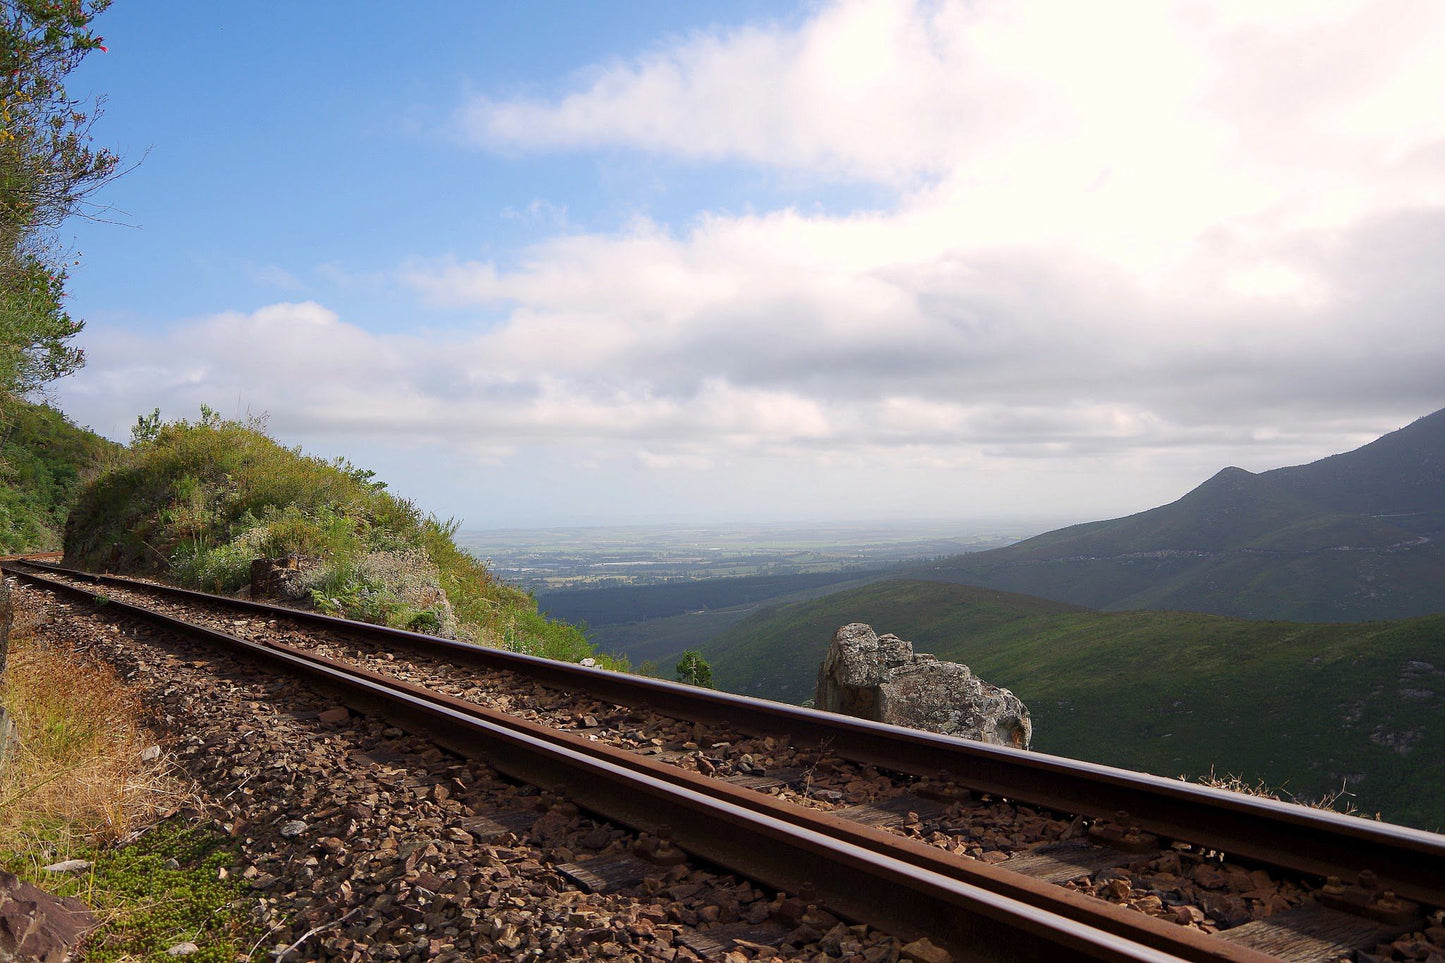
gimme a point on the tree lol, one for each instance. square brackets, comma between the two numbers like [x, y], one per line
[693, 669]
[48, 168]
[35, 329]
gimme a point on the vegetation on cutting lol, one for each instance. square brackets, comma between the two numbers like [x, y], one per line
[197, 502]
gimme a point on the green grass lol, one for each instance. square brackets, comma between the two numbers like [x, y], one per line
[1292, 704]
[154, 893]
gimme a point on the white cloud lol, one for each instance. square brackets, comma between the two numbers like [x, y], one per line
[275, 276]
[1130, 127]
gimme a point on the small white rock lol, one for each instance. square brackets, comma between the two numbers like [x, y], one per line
[183, 949]
[151, 754]
[293, 829]
[70, 866]
[589, 662]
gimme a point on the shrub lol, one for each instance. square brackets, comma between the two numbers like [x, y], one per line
[224, 568]
[693, 669]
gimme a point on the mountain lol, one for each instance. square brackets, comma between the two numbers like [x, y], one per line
[1353, 537]
[1306, 707]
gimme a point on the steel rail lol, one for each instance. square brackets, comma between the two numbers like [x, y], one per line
[1409, 861]
[976, 913]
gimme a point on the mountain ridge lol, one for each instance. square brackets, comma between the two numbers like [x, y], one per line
[1352, 537]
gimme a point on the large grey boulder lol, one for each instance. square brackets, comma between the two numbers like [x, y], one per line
[881, 678]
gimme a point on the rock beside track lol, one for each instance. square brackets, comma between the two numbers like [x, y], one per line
[286, 579]
[881, 678]
[36, 927]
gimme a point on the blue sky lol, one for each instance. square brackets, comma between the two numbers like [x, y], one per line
[285, 145]
[575, 262]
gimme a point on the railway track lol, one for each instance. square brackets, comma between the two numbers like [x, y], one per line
[975, 908]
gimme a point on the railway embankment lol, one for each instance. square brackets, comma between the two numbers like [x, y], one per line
[1225, 878]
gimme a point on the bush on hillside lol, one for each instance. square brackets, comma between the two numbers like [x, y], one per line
[693, 669]
[196, 502]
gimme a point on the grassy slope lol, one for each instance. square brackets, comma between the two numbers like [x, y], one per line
[1166, 692]
[198, 502]
[43, 460]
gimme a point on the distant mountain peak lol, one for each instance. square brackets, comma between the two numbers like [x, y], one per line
[1231, 473]
[1228, 482]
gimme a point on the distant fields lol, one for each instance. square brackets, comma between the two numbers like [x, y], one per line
[650, 592]
[572, 559]
[637, 604]
[686, 615]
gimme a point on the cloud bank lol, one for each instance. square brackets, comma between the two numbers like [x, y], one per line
[1120, 231]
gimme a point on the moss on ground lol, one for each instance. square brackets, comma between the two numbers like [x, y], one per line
[172, 885]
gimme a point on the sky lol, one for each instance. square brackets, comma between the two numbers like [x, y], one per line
[575, 263]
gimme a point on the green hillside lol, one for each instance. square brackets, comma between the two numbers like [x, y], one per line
[43, 460]
[1305, 706]
[1353, 537]
[196, 503]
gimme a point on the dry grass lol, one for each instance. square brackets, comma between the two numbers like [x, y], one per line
[1338, 801]
[74, 785]
[74, 778]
